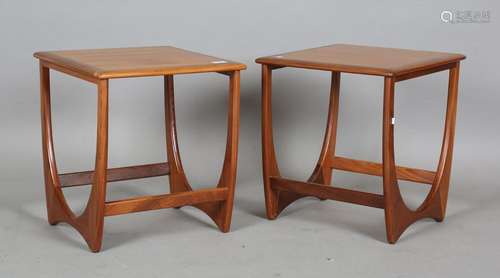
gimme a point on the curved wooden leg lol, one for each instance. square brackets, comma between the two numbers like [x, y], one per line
[397, 215]
[278, 200]
[90, 223]
[55, 213]
[322, 174]
[94, 212]
[269, 164]
[228, 176]
[392, 195]
[445, 160]
[177, 178]
[220, 211]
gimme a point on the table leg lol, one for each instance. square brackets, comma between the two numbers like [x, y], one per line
[52, 192]
[398, 216]
[392, 195]
[177, 178]
[219, 211]
[90, 223]
[446, 156]
[278, 200]
[322, 174]
[94, 213]
[269, 163]
[228, 176]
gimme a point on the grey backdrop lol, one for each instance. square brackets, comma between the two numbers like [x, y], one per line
[311, 238]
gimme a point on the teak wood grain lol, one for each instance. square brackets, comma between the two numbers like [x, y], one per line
[135, 61]
[394, 65]
[363, 59]
[376, 169]
[116, 174]
[98, 66]
[165, 201]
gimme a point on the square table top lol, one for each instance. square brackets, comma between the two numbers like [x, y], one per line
[135, 61]
[362, 59]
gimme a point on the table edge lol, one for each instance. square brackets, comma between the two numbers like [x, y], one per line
[230, 66]
[283, 62]
[51, 60]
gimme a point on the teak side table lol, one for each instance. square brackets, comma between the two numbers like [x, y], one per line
[394, 65]
[98, 66]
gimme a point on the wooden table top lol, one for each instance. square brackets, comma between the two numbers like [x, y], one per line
[362, 59]
[136, 61]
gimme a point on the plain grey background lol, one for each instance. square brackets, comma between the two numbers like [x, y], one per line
[311, 238]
